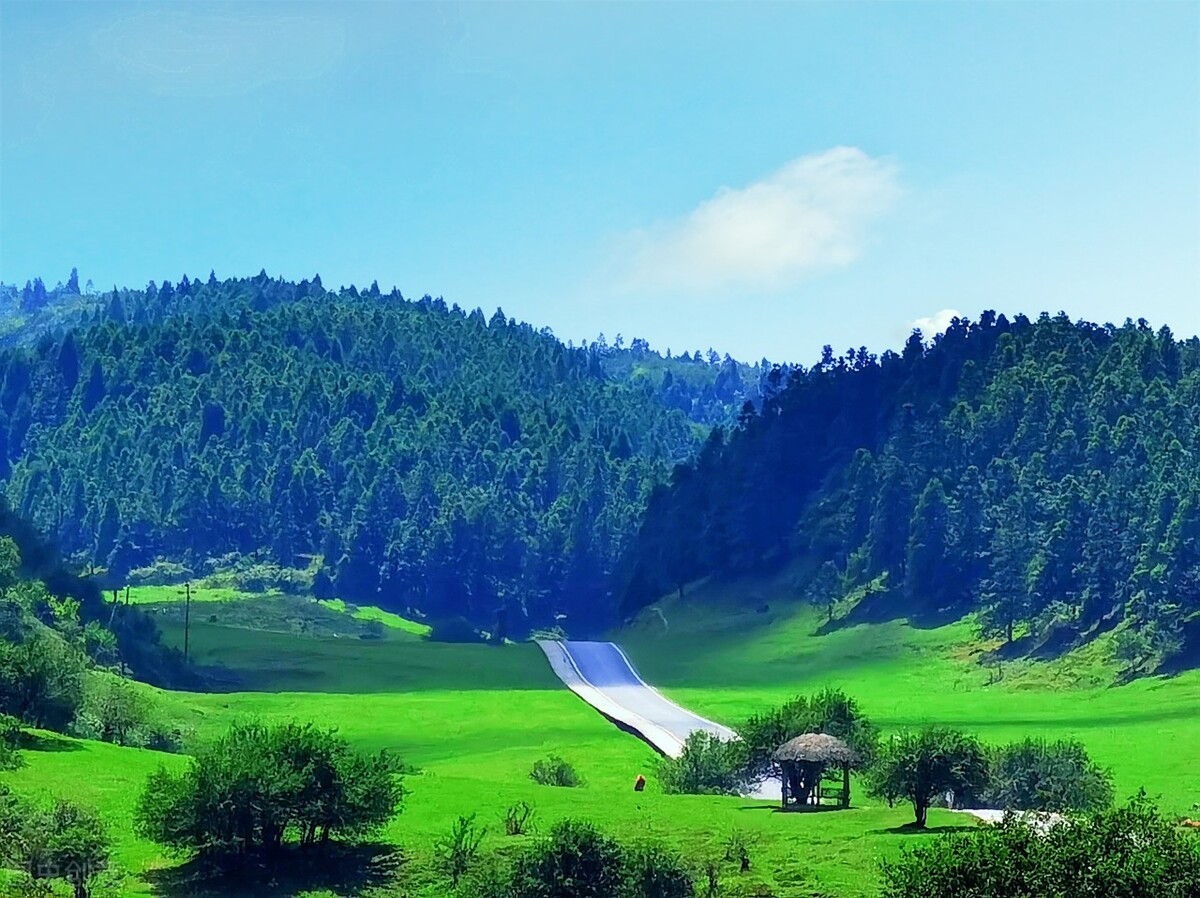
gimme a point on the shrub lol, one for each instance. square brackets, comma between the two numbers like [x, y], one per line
[1127, 852]
[518, 819]
[554, 771]
[651, 871]
[256, 786]
[456, 853]
[707, 766]
[830, 711]
[63, 841]
[575, 860]
[1037, 775]
[10, 735]
[921, 766]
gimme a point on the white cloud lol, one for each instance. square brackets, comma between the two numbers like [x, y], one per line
[934, 324]
[812, 214]
[220, 51]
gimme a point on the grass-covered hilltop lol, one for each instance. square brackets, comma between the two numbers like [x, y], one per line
[273, 556]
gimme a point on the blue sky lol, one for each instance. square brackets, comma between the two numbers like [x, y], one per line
[759, 178]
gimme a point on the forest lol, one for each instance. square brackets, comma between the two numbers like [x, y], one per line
[1039, 472]
[403, 452]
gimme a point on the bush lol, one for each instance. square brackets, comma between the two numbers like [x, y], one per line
[575, 860]
[1036, 775]
[63, 841]
[1129, 852]
[518, 818]
[707, 766]
[923, 765]
[554, 771]
[258, 786]
[652, 871]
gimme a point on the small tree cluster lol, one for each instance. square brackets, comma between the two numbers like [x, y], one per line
[1037, 775]
[259, 786]
[61, 841]
[119, 711]
[1031, 775]
[708, 765]
[830, 711]
[1128, 852]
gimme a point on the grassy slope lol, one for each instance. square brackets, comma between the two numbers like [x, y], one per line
[726, 661]
[474, 718]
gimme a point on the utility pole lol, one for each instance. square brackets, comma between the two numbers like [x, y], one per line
[187, 618]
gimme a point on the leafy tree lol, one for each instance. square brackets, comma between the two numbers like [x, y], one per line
[1037, 775]
[62, 841]
[1128, 852]
[113, 710]
[707, 766]
[829, 711]
[920, 766]
[255, 787]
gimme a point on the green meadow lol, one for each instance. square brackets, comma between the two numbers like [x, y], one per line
[472, 719]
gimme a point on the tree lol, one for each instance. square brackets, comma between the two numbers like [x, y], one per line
[10, 733]
[920, 766]
[62, 841]
[1036, 775]
[1128, 852]
[113, 709]
[928, 579]
[708, 765]
[830, 711]
[246, 793]
[41, 680]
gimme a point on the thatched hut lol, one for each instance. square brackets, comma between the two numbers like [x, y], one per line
[804, 761]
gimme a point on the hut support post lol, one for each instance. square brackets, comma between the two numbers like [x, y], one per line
[845, 785]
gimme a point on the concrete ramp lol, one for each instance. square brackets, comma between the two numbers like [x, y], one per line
[602, 675]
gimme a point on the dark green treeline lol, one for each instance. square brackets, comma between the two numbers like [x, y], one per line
[1044, 472]
[427, 457]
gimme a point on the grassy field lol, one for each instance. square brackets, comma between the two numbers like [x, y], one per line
[474, 718]
[722, 658]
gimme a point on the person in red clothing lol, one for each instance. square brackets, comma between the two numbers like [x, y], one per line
[639, 784]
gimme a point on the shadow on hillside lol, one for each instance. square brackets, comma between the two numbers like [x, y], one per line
[36, 742]
[911, 829]
[886, 606]
[343, 870]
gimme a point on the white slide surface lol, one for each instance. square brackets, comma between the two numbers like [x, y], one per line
[602, 675]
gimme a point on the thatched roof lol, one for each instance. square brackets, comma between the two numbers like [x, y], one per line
[816, 747]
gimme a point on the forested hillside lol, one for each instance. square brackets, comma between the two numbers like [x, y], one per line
[403, 452]
[1042, 472]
